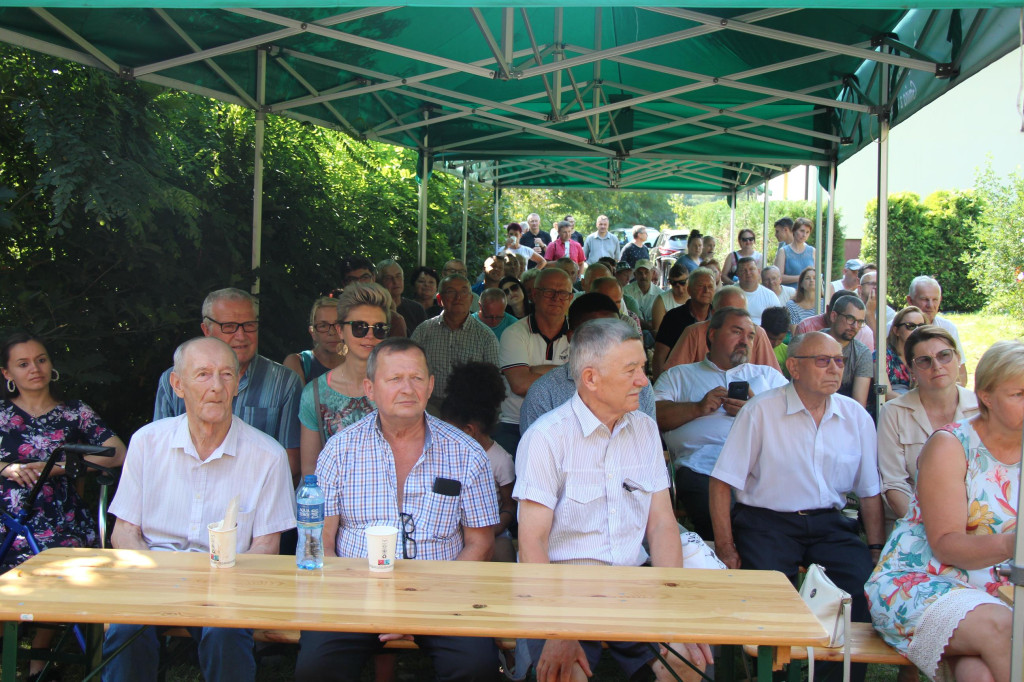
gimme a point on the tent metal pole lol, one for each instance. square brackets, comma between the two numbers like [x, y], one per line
[826, 251]
[422, 208]
[1016, 574]
[465, 211]
[497, 226]
[732, 227]
[818, 244]
[764, 228]
[883, 236]
[817, 221]
[257, 171]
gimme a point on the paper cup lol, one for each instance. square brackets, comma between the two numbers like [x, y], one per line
[851, 514]
[222, 545]
[381, 542]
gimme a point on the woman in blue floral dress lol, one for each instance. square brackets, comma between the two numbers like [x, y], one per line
[934, 594]
[32, 425]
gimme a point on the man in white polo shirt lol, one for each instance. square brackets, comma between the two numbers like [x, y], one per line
[532, 347]
[695, 411]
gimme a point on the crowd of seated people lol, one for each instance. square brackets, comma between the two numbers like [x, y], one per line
[513, 379]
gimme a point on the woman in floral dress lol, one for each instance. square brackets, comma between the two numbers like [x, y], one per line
[32, 425]
[933, 595]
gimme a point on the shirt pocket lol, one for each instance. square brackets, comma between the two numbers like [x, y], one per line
[845, 464]
[442, 518]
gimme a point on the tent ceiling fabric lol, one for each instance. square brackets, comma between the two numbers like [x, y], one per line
[667, 98]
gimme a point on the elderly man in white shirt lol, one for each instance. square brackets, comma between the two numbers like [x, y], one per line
[697, 405]
[180, 475]
[594, 485]
[791, 457]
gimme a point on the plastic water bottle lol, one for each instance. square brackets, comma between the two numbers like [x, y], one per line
[309, 503]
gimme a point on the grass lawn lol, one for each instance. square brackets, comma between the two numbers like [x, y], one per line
[978, 331]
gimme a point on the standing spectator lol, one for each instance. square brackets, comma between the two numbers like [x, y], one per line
[793, 258]
[708, 250]
[534, 237]
[391, 277]
[600, 244]
[514, 245]
[327, 344]
[926, 294]
[565, 247]
[533, 347]
[845, 320]
[268, 393]
[675, 296]
[576, 236]
[783, 231]
[758, 297]
[424, 282]
[694, 246]
[746, 250]
[635, 251]
[850, 281]
[454, 337]
[337, 399]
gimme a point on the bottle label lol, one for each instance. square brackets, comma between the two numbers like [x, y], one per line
[310, 513]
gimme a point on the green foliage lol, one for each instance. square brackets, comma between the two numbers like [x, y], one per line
[930, 237]
[713, 218]
[997, 265]
[122, 205]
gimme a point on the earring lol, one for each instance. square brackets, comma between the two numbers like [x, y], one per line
[11, 388]
[54, 375]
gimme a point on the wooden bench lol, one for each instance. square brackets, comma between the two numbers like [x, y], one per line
[865, 647]
[292, 637]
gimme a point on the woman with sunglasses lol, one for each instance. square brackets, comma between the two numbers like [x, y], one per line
[327, 345]
[675, 296]
[337, 399]
[518, 305]
[907, 422]
[746, 250]
[934, 594]
[897, 374]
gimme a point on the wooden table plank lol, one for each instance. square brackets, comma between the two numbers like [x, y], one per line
[420, 597]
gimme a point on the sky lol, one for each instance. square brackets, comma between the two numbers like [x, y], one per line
[940, 147]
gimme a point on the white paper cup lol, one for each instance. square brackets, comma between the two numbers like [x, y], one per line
[851, 514]
[381, 543]
[222, 545]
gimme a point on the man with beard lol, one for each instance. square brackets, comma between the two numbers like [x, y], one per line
[695, 411]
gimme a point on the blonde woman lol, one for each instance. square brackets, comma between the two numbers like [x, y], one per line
[328, 349]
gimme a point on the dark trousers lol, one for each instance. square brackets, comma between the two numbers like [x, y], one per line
[340, 656]
[692, 494]
[785, 541]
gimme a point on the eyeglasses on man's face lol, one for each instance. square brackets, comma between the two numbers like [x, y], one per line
[554, 294]
[360, 328]
[851, 320]
[822, 361]
[364, 278]
[250, 327]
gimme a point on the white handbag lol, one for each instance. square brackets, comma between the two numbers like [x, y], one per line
[831, 606]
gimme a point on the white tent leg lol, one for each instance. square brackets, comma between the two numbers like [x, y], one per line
[497, 225]
[764, 229]
[732, 228]
[882, 241]
[818, 222]
[465, 211]
[257, 173]
[422, 214]
[826, 253]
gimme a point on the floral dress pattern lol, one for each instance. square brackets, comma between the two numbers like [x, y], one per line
[61, 518]
[909, 579]
[899, 373]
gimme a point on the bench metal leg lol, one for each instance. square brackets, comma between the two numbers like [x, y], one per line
[9, 662]
[765, 658]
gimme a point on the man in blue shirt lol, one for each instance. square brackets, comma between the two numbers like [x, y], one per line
[268, 393]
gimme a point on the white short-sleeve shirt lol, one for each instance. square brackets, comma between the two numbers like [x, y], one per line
[776, 458]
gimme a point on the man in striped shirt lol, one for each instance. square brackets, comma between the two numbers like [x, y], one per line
[597, 460]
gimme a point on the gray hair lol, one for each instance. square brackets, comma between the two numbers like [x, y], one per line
[594, 339]
[532, 215]
[725, 291]
[181, 351]
[387, 263]
[454, 277]
[919, 281]
[637, 229]
[364, 293]
[228, 294]
[530, 275]
[769, 269]
[493, 295]
[393, 344]
[701, 272]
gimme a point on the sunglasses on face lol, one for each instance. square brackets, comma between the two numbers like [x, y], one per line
[943, 357]
[677, 282]
[822, 361]
[360, 328]
[510, 288]
[746, 239]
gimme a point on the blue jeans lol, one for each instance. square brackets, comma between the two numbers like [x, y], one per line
[225, 654]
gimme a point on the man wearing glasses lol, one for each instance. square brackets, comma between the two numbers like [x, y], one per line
[790, 458]
[532, 347]
[454, 337]
[845, 320]
[268, 393]
[401, 467]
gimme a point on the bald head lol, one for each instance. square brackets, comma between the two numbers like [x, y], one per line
[810, 380]
[730, 296]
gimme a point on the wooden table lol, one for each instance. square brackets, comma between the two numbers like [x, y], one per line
[421, 597]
